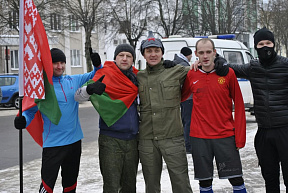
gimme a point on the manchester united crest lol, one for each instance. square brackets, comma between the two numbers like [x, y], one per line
[221, 80]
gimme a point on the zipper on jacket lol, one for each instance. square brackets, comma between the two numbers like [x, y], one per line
[63, 90]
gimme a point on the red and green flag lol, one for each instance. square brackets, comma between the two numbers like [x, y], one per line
[119, 94]
[36, 70]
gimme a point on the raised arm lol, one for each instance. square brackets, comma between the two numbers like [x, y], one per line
[84, 93]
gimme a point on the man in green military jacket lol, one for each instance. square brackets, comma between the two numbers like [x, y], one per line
[161, 129]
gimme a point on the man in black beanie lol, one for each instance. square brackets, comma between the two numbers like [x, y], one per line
[125, 48]
[118, 144]
[268, 78]
[57, 55]
[184, 58]
[62, 142]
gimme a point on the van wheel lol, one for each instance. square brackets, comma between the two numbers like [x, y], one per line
[16, 102]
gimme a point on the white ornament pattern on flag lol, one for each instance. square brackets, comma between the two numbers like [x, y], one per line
[33, 70]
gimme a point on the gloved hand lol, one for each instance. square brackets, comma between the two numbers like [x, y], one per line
[20, 122]
[97, 87]
[169, 64]
[95, 57]
[221, 66]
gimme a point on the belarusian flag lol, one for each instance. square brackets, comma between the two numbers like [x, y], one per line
[36, 70]
[119, 94]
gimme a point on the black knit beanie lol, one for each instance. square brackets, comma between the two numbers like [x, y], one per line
[151, 41]
[124, 48]
[186, 51]
[57, 55]
[263, 34]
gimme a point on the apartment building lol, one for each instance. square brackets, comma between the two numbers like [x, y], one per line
[63, 32]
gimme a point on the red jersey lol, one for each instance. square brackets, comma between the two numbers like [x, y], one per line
[212, 106]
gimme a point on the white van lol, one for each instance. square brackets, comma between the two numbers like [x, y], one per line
[233, 51]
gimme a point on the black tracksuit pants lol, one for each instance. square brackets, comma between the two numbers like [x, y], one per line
[68, 158]
[272, 150]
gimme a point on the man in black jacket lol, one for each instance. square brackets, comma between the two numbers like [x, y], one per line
[269, 81]
[183, 58]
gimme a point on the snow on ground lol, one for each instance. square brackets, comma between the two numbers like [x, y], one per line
[90, 179]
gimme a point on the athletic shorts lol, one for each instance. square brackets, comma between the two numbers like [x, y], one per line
[226, 155]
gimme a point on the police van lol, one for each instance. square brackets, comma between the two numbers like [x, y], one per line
[235, 52]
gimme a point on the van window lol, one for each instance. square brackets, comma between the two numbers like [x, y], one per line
[249, 56]
[233, 57]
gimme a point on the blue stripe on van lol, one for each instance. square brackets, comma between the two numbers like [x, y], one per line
[242, 79]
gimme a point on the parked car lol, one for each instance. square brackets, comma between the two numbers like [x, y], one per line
[10, 90]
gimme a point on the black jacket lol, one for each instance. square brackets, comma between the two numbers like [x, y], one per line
[179, 60]
[270, 90]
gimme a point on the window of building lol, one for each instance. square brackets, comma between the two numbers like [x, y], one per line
[73, 23]
[13, 19]
[55, 21]
[14, 59]
[75, 57]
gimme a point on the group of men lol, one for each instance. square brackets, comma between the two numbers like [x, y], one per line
[157, 133]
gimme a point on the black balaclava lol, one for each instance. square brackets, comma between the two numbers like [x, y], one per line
[266, 54]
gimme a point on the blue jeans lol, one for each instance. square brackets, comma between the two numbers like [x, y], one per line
[186, 111]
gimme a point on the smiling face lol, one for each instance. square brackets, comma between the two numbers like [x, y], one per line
[58, 68]
[124, 60]
[206, 54]
[153, 55]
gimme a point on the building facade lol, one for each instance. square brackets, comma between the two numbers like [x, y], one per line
[63, 32]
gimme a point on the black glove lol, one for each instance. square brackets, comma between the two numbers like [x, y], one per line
[169, 63]
[221, 66]
[96, 60]
[97, 87]
[20, 122]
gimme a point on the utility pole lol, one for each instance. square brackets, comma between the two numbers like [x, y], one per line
[6, 57]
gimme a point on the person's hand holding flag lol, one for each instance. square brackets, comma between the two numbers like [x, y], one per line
[20, 122]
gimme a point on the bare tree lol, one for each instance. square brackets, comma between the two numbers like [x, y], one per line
[85, 12]
[9, 14]
[171, 16]
[190, 18]
[274, 16]
[218, 16]
[128, 17]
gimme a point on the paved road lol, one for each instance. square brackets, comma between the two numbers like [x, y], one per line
[9, 136]
[90, 179]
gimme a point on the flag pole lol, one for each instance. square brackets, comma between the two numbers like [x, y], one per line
[21, 149]
[21, 87]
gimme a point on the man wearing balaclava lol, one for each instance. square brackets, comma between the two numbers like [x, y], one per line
[269, 81]
[265, 45]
